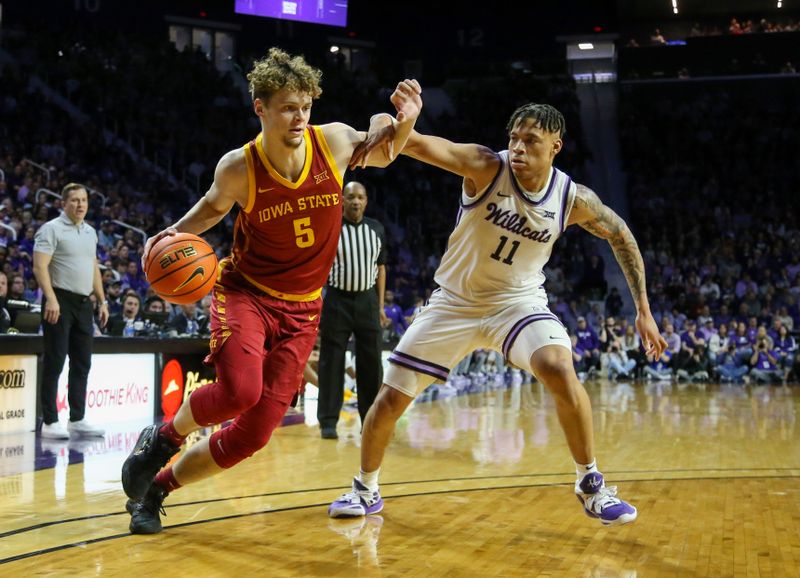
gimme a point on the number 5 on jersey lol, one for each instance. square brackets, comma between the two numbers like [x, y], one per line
[304, 234]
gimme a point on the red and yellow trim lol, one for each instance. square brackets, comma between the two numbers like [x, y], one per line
[284, 296]
[326, 151]
[251, 178]
[277, 176]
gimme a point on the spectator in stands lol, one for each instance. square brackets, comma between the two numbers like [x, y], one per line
[619, 366]
[632, 346]
[155, 317]
[205, 316]
[588, 344]
[710, 289]
[774, 331]
[595, 318]
[785, 348]
[729, 367]
[114, 295]
[785, 319]
[579, 359]
[20, 259]
[742, 343]
[609, 334]
[718, 343]
[697, 367]
[186, 320]
[761, 333]
[5, 318]
[672, 338]
[395, 324]
[16, 289]
[107, 238]
[133, 278]
[764, 362]
[659, 369]
[124, 323]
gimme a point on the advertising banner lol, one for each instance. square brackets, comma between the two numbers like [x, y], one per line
[180, 375]
[17, 393]
[121, 388]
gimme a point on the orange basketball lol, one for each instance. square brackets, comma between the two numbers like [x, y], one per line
[182, 268]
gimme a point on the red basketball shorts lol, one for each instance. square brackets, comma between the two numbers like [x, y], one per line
[259, 347]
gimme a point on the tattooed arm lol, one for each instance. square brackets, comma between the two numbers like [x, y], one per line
[589, 212]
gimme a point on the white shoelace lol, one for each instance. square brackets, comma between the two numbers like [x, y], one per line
[605, 497]
[355, 496]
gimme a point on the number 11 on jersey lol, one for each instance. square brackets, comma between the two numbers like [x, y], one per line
[499, 251]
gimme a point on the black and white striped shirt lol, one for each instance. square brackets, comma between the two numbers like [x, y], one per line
[362, 247]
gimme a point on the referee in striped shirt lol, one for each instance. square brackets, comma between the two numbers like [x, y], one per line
[353, 305]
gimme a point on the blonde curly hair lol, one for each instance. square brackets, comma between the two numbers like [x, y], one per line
[279, 70]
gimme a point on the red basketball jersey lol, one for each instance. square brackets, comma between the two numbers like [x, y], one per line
[285, 240]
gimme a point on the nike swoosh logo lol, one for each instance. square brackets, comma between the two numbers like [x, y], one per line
[172, 387]
[199, 271]
[260, 190]
[312, 317]
[551, 337]
[503, 195]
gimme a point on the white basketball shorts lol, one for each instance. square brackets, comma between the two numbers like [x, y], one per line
[447, 329]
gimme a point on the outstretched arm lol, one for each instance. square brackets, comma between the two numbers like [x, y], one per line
[476, 163]
[590, 213]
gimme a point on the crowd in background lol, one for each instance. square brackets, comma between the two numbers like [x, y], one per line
[734, 27]
[722, 258]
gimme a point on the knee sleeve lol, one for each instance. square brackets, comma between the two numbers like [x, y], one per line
[237, 389]
[248, 433]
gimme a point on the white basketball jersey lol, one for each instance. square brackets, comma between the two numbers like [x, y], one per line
[503, 238]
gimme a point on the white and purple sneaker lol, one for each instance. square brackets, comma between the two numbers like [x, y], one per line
[601, 501]
[360, 501]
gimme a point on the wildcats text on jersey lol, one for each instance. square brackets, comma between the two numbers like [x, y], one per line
[511, 221]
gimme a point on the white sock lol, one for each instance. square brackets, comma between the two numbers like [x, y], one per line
[583, 469]
[369, 479]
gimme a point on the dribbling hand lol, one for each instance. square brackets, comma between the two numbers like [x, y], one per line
[168, 232]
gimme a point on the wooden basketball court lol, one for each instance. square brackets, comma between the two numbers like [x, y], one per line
[477, 485]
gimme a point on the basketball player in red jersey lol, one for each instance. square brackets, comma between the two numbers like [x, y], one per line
[267, 300]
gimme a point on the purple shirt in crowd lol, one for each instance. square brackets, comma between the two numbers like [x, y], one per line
[673, 342]
[587, 339]
[764, 362]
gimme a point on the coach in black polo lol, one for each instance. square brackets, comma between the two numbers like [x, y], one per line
[353, 305]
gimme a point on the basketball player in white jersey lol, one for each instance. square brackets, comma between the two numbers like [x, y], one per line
[514, 205]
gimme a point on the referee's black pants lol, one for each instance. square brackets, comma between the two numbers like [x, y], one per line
[72, 335]
[345, 313]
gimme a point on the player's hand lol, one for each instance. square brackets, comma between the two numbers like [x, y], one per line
[381, 133]
[168, 232]
[654, 343]
[52, 311]
[407, 100]
[408, 104]
[384, 318]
